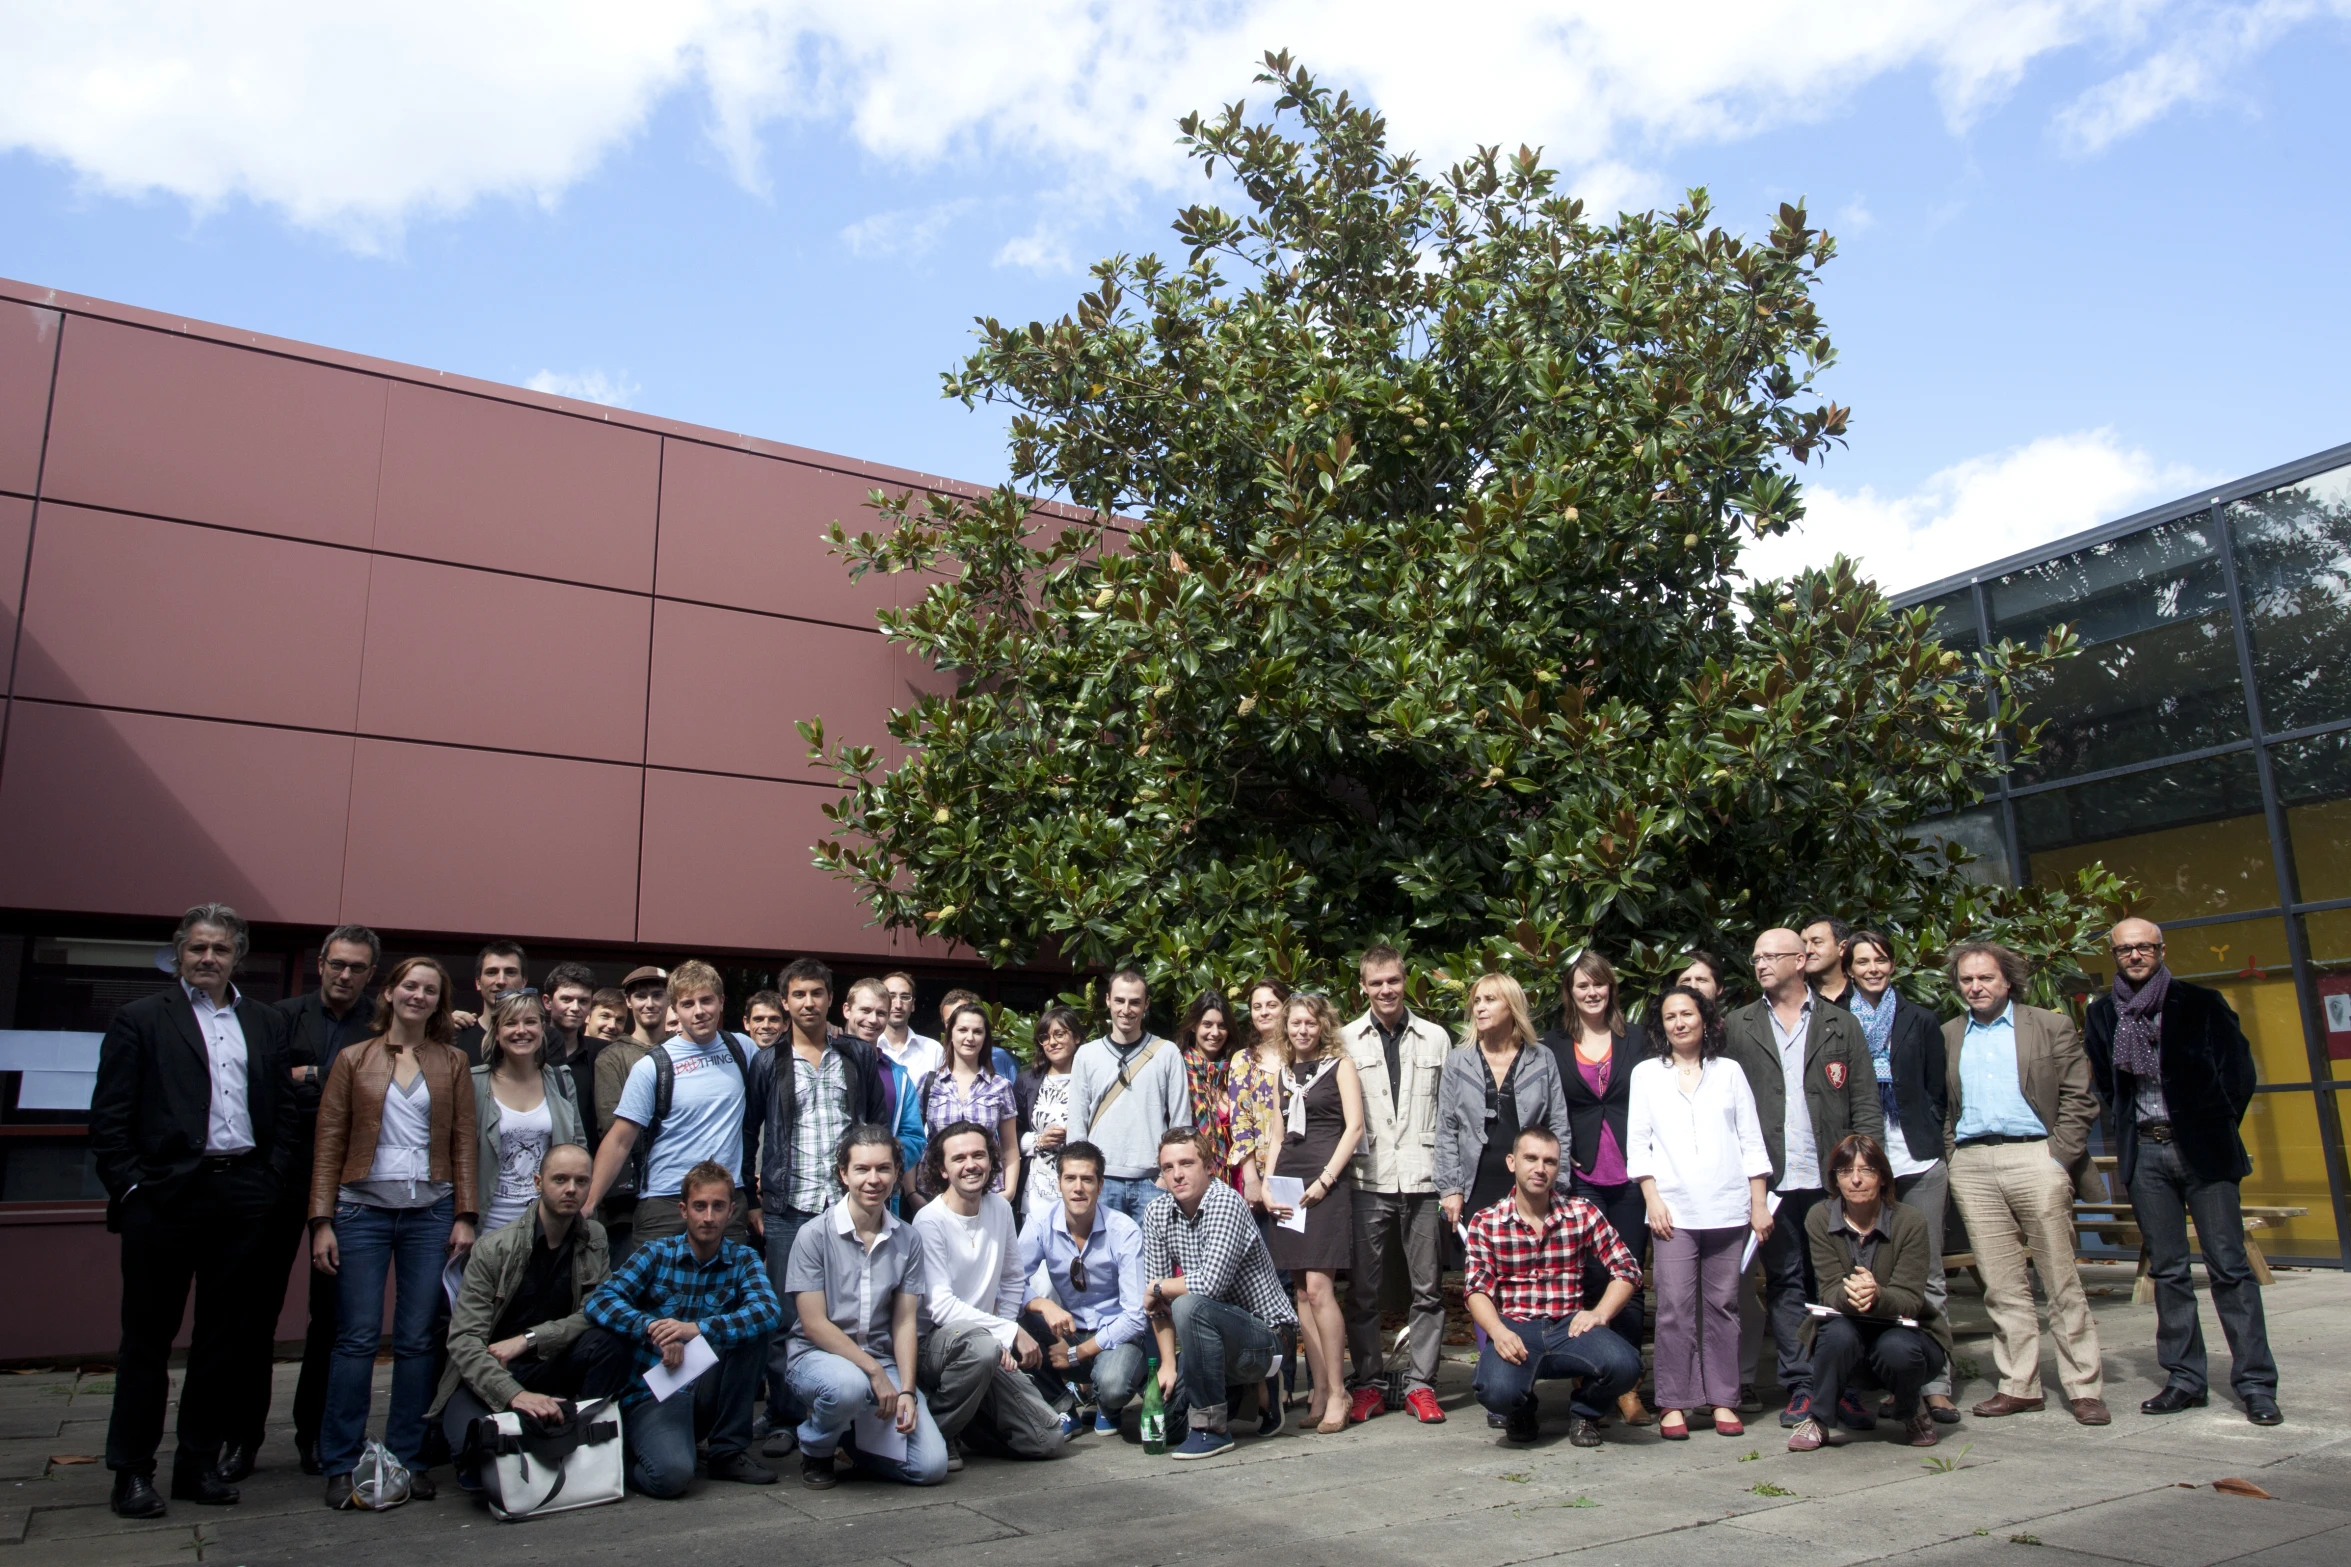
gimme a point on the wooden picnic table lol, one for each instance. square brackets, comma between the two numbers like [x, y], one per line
[2113, 1221]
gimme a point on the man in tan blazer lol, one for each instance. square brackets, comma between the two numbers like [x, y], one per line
[2017, 1136]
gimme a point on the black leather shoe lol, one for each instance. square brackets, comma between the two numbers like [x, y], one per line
[2172, 1400]
[2262, 1409]
[421, 1487]
[236, 1463]
[312, 1464]
[204, 1487]
[1523, 1424]
[339, 1492]
[134, 1495]
[1583, 1431]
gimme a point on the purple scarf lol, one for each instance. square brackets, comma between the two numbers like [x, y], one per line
[2138, 1023]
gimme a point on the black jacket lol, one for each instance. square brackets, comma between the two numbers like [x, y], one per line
[771, 1113]
[1587, 1112]
[2208, 1081]
[1921, 1093]
[153, 1100]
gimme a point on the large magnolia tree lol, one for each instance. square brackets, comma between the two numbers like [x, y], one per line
[1395, 596]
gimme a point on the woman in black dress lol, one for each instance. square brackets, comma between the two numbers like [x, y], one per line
[1322, 1112]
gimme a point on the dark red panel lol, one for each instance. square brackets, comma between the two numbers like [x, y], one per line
[728, 687]
[749, 531]
[137, 814]
[28, 348]
[484, 483]
[16, 526]
[153, 422]
[132, 612]
[481, 658]
[444, 838]
[727, 865]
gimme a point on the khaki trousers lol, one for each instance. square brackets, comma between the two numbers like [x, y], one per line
[2014, 1196]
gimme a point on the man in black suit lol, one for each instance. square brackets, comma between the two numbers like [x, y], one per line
[193, 1124]
[319, 1023]
[2177, 1074]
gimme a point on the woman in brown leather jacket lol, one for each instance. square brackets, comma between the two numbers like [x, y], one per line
[392, 1191]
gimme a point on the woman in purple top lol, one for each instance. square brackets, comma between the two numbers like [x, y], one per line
[966, 1087]
[1596, 1060]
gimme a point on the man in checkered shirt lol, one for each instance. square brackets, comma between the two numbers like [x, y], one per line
[1213, 1293]
[1526, 1286]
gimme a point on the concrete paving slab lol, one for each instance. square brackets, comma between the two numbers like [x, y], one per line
[2182, 1528]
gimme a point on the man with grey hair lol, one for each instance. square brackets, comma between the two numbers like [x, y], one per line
[2017, 1135]
[193, 1125]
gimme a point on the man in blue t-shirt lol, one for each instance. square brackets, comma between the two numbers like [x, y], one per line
[696, 1115]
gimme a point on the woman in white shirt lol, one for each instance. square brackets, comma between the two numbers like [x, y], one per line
[1695, 1145]
[522, 1107]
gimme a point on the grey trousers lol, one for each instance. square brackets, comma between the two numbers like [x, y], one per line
[1412, 1223]
[1929, 1191]
[975, 1400]
[2164, 1193]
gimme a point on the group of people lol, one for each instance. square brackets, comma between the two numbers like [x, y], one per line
[897, 1249]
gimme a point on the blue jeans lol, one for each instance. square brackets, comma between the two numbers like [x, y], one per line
[661, 1436]
[1217, 1345]
[781, 1229]
[409, 1244]
[1601, 1364]
[1130, 1197]
[835, 1393]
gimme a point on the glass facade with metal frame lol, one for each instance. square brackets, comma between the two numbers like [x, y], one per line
[2201, 744]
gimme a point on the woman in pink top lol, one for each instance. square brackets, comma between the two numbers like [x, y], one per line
[1596, 1059]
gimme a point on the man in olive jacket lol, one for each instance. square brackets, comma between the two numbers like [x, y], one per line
[2177, 1074]
[1808, 1064]
[2017, 1134]
[518, 1337]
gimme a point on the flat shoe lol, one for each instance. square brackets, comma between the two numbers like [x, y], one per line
[1724, 1427]
[1673, 1428]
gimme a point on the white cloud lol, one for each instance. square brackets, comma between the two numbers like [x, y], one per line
[909, 231]
[589, 386]
[357, 120]
[1975, 512]
[2194, 66]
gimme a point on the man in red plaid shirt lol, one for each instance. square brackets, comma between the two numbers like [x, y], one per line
[1526, 1287]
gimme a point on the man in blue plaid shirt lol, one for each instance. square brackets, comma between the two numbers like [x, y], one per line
[669, 1293]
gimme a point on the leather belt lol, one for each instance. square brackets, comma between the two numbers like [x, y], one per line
[2155, 1131]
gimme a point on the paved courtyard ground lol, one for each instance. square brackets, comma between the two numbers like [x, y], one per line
[2031, 1491]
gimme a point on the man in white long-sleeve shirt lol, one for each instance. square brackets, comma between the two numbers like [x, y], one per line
[973, 1346]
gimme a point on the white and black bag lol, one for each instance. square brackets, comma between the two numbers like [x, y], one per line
[528, 1467]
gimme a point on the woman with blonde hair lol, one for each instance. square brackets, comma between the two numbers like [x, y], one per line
[1322, 1122]
[391, 1192]
[1494, 1086]
[522, 1107]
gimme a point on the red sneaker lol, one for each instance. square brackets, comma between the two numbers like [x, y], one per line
[1367, 1402]
[1423, 1404]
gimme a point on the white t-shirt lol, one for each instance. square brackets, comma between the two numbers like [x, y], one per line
[705, 1113]
[523, 1136]
[918, 1055]
[972, 1267]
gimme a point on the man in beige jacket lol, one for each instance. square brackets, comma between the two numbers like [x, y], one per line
[2017, 1136]
[1399, 1058]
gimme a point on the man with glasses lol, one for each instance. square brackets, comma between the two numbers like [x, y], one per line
[2177, 1074]
[319, 1024]
[917, 1055]
[1809, 1066]
[1083, 1264]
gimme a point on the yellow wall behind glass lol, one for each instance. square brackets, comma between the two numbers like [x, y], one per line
[2329, 936]
[2289, 1170]
[2321, 836]
[2183, 872]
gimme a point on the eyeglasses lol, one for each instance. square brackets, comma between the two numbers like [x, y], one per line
[1077, 1274]
[2132, 949]
[349, 965]
[1761, 958]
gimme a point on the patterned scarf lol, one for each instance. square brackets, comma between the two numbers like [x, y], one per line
[1877, 1026]
[2138, 1023]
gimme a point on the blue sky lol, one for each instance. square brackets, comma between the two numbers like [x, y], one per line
[2093, 251]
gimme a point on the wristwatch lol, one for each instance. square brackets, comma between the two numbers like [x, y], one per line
[530, 1338]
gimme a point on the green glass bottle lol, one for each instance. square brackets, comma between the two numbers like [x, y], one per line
[1154, 1412]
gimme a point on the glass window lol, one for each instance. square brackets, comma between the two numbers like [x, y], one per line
[1955, 624]
[2157, 673]
[1978, 832]
[2314, 785]
[2328, 936]
[2294, 568]
[2281, 1132]
[2193, 836]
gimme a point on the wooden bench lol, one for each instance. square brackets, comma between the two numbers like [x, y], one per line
[2112, 1221]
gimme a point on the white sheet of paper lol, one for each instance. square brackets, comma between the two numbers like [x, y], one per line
[698, 1358]
[1288, 1191]
[879, 1438]
[1771, 1203]
[453, 1276]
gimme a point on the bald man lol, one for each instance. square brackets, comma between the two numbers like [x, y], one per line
[1809, 1066]
[2177, 1074]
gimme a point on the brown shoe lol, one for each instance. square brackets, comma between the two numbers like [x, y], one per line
[2008, 1404]
[1919, 1430]
[1631, 1410]
[2090, 1411]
